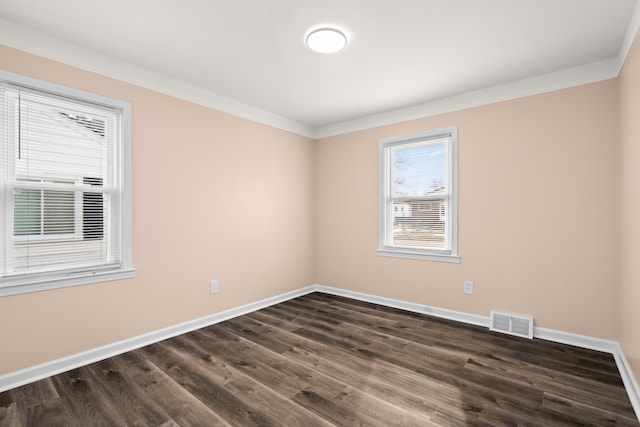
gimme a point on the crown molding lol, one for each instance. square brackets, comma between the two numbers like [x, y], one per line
[589, 73]
[630, 36]
[37, 43]
[40, 44]
[571, 77]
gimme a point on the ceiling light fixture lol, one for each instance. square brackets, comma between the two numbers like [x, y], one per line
[326, 40]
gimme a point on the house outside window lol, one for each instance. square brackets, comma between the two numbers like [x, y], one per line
[418, 196]
[425, 207]
[65, 182]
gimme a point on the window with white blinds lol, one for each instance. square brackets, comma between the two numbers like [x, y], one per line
[64, 172]
[418, 196]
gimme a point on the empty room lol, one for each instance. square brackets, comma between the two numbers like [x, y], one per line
[319, 212]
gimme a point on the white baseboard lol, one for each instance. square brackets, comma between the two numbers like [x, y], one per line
[38, 372]
[577, 340]
[630, 383]
[35, 373]
[409, 306]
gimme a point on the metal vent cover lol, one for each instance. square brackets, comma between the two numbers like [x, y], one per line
[521, 326]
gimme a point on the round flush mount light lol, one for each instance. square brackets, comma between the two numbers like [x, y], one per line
[326, 40]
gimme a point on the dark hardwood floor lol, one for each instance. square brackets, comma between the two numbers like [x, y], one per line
[322, 360]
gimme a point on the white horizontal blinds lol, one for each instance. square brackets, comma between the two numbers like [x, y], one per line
[419, 194]
[43, 212]
[61, 178]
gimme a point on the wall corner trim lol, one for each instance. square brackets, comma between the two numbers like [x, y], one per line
[38, 372]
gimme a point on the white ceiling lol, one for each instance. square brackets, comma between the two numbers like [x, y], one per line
[405, 58]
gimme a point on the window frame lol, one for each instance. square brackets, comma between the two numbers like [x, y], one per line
[41, 281]
[385, 201]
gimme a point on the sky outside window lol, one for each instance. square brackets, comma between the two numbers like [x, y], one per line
[419, 169]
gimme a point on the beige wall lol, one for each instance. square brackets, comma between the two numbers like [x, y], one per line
[537, 212]
[214, 197]
[629, 95]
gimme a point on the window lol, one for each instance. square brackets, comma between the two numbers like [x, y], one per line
[65, 182]
[418, 196]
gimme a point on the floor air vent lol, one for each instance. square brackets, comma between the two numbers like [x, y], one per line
[521, 326]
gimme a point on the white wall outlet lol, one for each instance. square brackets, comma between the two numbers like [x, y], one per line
[468, 287]
[213, 286]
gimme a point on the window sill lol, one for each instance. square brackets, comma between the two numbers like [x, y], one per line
[417, 254]
[57, 282]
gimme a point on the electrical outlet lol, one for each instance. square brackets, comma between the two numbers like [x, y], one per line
[213, 287]
[468, 287]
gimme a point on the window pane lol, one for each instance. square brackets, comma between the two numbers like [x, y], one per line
[419, 170]
[59, 212]
[92, 211]
[419, 173]
[416, 226]
[27, 212]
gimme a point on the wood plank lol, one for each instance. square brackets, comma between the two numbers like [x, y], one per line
[53, 412]
[35, 393]
[584, 390]
[204, 385]
[448, 334]
[584, 413]
[352, 408]
[438, 370]
[121, 392]
[9, 415]
[283, 411]
[339, 369]
[389, 382]
[183, 407]
[272, 382]
[81, 396]
[269, 368]
[279, 373]
[444, 393]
